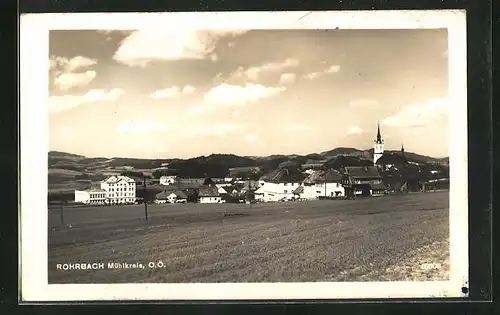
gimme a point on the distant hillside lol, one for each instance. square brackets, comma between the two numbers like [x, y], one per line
[414, 157]
[216, 165]
[64, 154]
[342, 151]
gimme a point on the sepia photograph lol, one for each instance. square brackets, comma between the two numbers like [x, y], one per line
[230, 155]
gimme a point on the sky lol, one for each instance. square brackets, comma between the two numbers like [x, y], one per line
[182, 93]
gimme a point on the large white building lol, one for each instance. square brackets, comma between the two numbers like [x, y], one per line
[119, 189]
[279, 185]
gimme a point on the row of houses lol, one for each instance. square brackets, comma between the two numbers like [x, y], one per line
[206, 191]
[204, 194]
[123, 190]
[285, 183]
[290, 184]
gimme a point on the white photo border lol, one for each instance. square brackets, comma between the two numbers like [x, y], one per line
[34, 64]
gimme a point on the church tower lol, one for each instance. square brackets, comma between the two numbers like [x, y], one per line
[402, 150]
[378, 149]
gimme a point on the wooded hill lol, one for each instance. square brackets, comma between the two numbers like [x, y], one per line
[218, 165]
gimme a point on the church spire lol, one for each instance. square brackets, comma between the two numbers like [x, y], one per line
[378, 149]
[379, 137]
[402, 149]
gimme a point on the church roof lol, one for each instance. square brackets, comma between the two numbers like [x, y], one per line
[392, 158]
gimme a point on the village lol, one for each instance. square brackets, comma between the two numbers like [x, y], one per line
[342, 178]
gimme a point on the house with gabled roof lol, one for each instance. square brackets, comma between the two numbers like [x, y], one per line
[363, 180]
[280, 184]
[209, 194]
[326, 183]
[171, 196]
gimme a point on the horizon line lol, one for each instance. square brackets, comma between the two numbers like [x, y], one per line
[247, 156]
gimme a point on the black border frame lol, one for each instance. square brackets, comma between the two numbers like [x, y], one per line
[480, 146]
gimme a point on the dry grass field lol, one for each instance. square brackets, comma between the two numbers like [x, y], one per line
[372, 239]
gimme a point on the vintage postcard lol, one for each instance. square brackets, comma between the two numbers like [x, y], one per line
[243, 155]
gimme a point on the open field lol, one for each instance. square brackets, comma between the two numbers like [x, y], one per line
[372, 239]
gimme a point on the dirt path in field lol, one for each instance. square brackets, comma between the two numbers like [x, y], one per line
[377, 239]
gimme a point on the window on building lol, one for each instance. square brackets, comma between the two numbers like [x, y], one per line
[286, 191]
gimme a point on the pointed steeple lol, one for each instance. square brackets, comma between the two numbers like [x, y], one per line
[402, 149]
[379, 137]
[378, 149]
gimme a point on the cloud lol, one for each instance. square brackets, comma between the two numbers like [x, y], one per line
[250, 138]
[67, 102]
[65, 81]
[317, 74]
[287, 78]
[313, 75]
[301, 127]
[363, 103]
[333, 69]
[188, 89]
[253, 73]
[143, 46]
[78, 62]
[419, 115]
[237, 95]
[172, 92]
[141, 126]
[65, 71]
[354, 130]
[214, 57]
[69, 65]
[210, 130]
